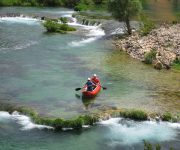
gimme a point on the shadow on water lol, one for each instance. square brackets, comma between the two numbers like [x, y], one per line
[87, 102]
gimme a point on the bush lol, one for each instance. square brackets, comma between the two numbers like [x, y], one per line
[88, 120]
[63, 19]
[80, 7]
[58, 124]
[98, 2]
[147, 146]
[146, 25]
[52, 26]
[150, 56]
[167, 117]
[177, 61]
[134, 114]
[176, 64]
[77, 123]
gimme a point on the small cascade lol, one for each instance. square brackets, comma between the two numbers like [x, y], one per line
[24, 121]
[124, 131]
[93, 31]
[88, 22]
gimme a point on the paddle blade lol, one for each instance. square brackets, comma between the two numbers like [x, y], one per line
[77, 89]
[104, 88]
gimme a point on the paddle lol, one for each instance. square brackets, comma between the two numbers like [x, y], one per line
[77, 89]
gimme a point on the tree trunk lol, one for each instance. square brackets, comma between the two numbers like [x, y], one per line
[129, 31]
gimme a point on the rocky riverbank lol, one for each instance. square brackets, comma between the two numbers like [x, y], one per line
[164, 41]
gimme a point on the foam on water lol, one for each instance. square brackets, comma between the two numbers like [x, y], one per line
[129, 132]
[4, 116]
[118, 31]
[25, 45]
[93, 30]
[24, 20]
[19, 46]
[22, 120]
[82, 42]
[94, 33]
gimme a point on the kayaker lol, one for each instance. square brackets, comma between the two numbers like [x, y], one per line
[90, 84]
[95, 79]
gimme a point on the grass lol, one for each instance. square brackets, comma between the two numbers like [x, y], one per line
[150, 56]
[176, 64]
[134, 114]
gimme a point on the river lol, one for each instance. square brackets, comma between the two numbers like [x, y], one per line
[41, 71]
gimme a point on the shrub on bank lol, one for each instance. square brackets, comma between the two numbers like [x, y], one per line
[150, 56]
[134, 114]
[52, 26]
[176, 63]
[146, 25]
[64, 20]
[167, 116]
[149, 146]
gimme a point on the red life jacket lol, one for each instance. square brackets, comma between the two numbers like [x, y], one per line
[95, 80]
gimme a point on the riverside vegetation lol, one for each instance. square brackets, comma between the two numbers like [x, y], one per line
[53, 26]
[153, 45]
[89, 119]
[76, 4]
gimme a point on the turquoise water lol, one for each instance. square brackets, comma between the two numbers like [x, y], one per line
[41, 71]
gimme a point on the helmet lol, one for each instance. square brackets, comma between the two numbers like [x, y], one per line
[89, 79]
[94, 75]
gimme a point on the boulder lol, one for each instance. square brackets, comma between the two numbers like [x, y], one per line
[158, 65]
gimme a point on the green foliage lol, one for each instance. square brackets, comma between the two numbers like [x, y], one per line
[146, 25]
[176, 64]
[147, 146]
[83, 5]
[63, 19]
[58, 124]
[77, 4]
[77, 123]
[86, 15]
[134, 114]
[158, 147]
[98, 2]
[88, 120]
[54, 3]
[177, 61]
[91, 5]
[52, 26]
[150, 56]
[167, 117]
[123, 10]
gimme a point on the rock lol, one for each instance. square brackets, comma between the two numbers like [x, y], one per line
[158, 65]
[158, 118]
[165, 40]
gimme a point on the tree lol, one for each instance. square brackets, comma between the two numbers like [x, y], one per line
[124, 10]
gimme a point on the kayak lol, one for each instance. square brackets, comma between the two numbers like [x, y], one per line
[90, 94]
